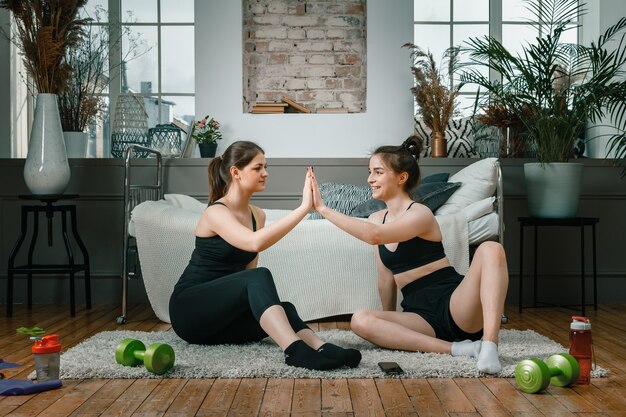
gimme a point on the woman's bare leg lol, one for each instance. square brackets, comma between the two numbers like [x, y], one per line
[397, 330]
[478, 302]
[275, 323]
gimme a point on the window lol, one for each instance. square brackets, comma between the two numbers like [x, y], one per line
[151, 54]
[443, 24]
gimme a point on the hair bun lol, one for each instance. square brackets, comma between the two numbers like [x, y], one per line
[414, 145]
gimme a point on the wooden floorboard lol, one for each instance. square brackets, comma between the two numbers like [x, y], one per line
[435, 397]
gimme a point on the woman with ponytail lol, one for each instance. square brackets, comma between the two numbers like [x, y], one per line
[222, 296]
[443, 311]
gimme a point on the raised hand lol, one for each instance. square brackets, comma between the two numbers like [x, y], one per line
[318, 202]
[307, 191]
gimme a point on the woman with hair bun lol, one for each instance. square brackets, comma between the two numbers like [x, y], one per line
[443, 311]
[222, 296]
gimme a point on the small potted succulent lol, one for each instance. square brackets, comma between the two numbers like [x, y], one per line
[206, 132]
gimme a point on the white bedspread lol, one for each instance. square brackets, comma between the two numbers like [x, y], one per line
[322, 270]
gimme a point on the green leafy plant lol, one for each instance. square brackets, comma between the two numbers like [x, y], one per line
[554, 88]
[206, 130]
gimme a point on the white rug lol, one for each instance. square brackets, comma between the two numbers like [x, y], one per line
[95, 358]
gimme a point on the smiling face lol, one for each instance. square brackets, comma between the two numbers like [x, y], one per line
[254, 175]
[383, 180]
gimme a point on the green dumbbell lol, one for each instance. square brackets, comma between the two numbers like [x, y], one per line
[534, 375]
[158, 358]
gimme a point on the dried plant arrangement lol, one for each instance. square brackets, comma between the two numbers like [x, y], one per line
[434, 96]
[91, 72]
[44, 29]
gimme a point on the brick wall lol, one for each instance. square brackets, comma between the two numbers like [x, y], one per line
[311, 51]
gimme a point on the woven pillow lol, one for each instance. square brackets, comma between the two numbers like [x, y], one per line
[459, 137]
[342, 197]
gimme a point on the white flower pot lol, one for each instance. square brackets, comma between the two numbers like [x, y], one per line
[76, 144]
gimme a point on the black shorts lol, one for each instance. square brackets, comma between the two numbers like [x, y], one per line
[429, 297]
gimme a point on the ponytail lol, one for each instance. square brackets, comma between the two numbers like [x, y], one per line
[217, 185]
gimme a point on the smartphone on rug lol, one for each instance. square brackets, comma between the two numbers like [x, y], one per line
[391, 368]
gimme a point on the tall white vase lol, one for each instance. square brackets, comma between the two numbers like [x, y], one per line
[46, 170]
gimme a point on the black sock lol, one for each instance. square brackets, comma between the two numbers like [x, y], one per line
[350, 357]
[303, 356]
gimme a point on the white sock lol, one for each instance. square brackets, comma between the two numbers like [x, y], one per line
[488, 361]
[466, 348]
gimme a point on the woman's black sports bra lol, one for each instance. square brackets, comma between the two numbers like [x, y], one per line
[410, 254]
[220, 255]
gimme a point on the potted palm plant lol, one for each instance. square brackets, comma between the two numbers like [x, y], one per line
[436, 102]
[44, 30]
[555, 89]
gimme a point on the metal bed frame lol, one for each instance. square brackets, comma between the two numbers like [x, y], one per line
[135, 194]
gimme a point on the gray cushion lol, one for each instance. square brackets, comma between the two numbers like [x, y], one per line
[342, 197]
[430, 194]
[438, 177]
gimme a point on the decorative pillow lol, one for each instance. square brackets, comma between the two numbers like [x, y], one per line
[342, 197]
[185, 201]
[479, 181]
[459, 137]
[479, 208]
[430, 194]
[438, 177]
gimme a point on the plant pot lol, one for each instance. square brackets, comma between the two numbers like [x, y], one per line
[438, 145]
[46, 170]
[76, 144]
[207, 150]
[553, 189]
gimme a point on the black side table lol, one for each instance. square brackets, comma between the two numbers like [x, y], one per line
[30, 268]
[580, 222]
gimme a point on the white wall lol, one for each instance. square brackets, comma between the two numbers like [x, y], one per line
[600, 16]
[388, 118]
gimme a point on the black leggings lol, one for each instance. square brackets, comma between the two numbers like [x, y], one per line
[228, 309]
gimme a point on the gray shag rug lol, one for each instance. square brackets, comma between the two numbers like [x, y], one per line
[95, 358]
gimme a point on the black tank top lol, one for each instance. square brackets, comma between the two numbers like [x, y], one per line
[410, 254]
[213, 257]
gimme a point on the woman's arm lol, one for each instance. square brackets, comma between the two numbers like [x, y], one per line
[259, 216]
[386, 285]
[221, 221]
[415, 222]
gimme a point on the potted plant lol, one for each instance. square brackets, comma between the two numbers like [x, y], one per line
[206, 132]
[81, 101]
[44, 30]
[436, 102]
[555, 89]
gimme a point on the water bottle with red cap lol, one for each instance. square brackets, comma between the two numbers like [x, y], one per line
[580, 347]
[47, 352]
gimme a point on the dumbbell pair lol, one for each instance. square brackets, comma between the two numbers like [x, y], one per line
[157, 358]
[534, 375]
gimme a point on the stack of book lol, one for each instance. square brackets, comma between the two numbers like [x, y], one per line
[285, 105]
[269, 107]
[294, 107]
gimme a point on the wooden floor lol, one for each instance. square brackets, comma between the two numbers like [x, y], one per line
[311, 397]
